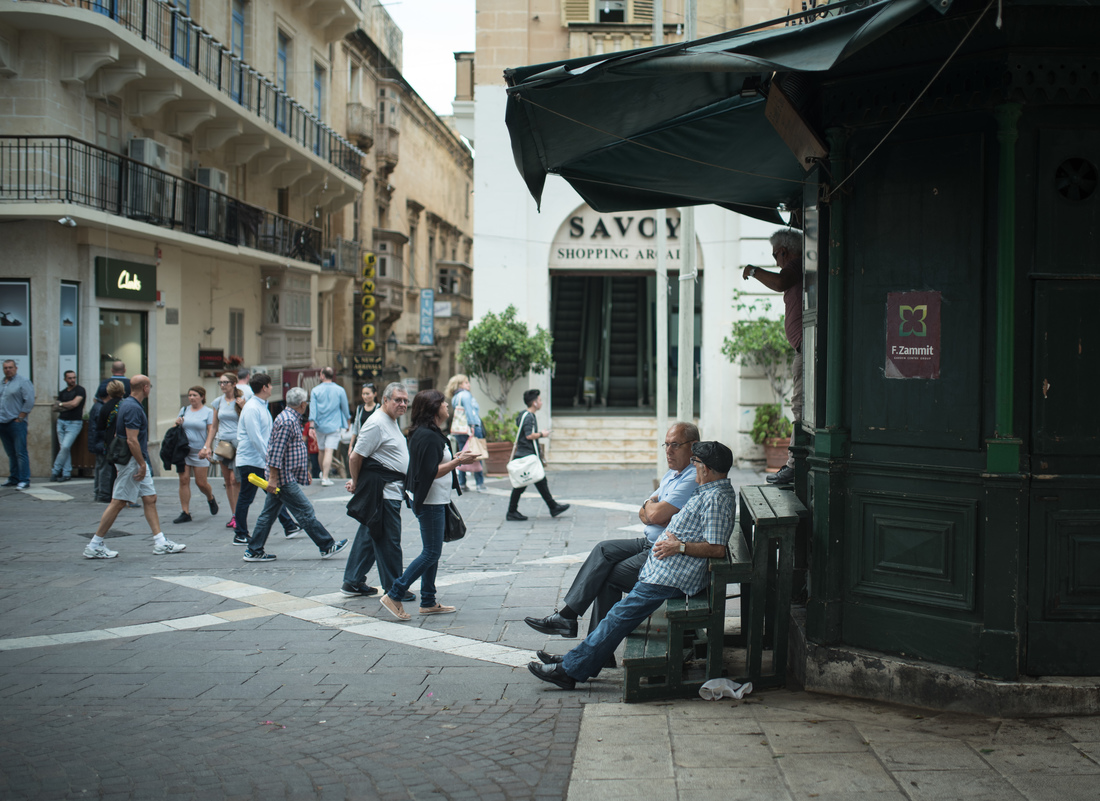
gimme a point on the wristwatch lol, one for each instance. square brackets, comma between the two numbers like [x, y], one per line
[683, 547]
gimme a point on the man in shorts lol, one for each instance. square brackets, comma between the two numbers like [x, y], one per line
[328, 411]
[134, 479]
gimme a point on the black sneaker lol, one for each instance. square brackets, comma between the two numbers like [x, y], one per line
[557, 510]
[240, 539]
[213, 504]
[782, 478]
[334, 549]
[183, 518]
[515, 516]
[349, 590]
[293, 532]
[258, 556]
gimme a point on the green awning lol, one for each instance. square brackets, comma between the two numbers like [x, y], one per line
[680, 125]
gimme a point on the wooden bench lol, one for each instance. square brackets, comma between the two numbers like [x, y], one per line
[692, 628]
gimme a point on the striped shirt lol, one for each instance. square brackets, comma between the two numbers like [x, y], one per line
[708, 516]
[286, 451]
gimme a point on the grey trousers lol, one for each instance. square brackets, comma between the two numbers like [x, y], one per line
[610, 571]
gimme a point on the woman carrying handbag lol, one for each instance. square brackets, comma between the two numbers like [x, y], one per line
[526, 446]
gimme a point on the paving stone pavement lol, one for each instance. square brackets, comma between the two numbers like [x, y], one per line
[199, 675]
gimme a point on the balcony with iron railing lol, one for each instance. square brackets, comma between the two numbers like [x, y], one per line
[171, 32]
[343, 256]
[62, 169]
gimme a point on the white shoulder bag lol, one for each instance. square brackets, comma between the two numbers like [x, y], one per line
[526, 470]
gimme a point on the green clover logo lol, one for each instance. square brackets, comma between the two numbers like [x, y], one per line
[913, 321]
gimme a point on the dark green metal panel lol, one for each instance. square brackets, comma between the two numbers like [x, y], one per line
[917, 217]
[1068, 207]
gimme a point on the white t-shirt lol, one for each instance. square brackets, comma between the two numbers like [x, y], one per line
[440, 493]
[381, 438]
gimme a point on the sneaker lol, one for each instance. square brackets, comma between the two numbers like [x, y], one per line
[258, 556]
[479, 488]
[326, 482]
[213, 504]
[55, 477]
[349, 590]
[169, 547]
[557, 510]
[232, 522]
[294, 532]
[98, 552]
[22, 485]
[63, 479]
[335, 549]
[515, 516]
[183, 518]
[11, 482]
[782, 478]
[240, 539]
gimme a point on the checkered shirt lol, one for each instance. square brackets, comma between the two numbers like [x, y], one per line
[286, 451]
[708, 516]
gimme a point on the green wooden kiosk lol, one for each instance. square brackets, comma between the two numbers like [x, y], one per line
[943, 160]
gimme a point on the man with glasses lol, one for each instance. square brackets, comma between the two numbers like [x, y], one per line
[787, 252]
[676, 567]
[135, 479]
[613, 566]
[378, 465]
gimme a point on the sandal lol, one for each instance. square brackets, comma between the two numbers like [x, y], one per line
[394, 608]
[438, 609]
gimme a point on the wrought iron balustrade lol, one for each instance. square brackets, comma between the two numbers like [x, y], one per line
[52, 169]
[172, 32]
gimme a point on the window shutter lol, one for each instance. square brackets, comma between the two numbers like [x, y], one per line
[641, 11]
[577, 11]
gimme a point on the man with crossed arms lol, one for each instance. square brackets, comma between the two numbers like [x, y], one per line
[613, 566]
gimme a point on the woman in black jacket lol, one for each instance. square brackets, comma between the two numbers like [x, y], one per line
[428, 486]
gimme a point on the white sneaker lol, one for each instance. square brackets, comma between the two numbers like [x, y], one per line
[169, 547]
[98, 552]
[326, 482]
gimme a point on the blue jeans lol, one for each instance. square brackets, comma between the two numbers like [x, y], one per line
[67, 432]
[291, 496]
[245, 497]
[585, 661]
[382, 546]
[460, 442]
[14, 436]
[432, 519]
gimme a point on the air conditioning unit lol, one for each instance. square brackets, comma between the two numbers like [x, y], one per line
[148, 196]
[210, 210]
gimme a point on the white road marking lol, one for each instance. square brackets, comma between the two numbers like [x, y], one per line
[566, 559]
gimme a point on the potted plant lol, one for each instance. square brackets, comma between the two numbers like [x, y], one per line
[760, 341]
[500, 433]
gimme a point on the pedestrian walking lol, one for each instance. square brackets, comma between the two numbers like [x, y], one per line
[70, 422]
[377, 465]
[526, 446]
[458, 394]
[222, 442]
[428, 485]
[104, 470]
[197, 421]
[135, 479]
[287, 473]
[253, 433]
[16, 403]
[328, 411]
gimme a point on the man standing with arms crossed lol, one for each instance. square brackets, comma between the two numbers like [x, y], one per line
[134, 480]
[379, 448]
[328, 411]
[253, 434]
[16, 402]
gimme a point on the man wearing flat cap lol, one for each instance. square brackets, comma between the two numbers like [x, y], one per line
[676, 567]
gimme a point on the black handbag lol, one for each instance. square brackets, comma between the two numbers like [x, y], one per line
[118, 452]
[454, 528]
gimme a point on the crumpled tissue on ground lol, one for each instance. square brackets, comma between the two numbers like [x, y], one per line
[717, 689]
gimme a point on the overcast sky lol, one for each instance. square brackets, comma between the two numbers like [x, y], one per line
[434, 30]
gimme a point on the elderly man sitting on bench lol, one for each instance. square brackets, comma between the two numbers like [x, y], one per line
[677, 566]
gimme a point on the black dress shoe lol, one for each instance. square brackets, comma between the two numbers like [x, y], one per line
[557, 510]
[549, 659]
[515, 516]
[555, 674]
[553, 624]
[784, 476]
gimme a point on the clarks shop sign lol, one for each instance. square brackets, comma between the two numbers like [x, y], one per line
[624, 241]
[126, 280]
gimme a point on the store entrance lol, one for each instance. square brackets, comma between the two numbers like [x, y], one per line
[123, 336]
[605, 342]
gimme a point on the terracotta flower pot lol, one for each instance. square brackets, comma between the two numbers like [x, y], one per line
[775, 453]
[498, 457]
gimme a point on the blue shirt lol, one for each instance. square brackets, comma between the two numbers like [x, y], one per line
[467, 401]
[675, 488]
[131, 415]
[16, 397]
[328, 407]
[708, 516]
[253, 433]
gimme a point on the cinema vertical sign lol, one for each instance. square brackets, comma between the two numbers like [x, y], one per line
[913, 335]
